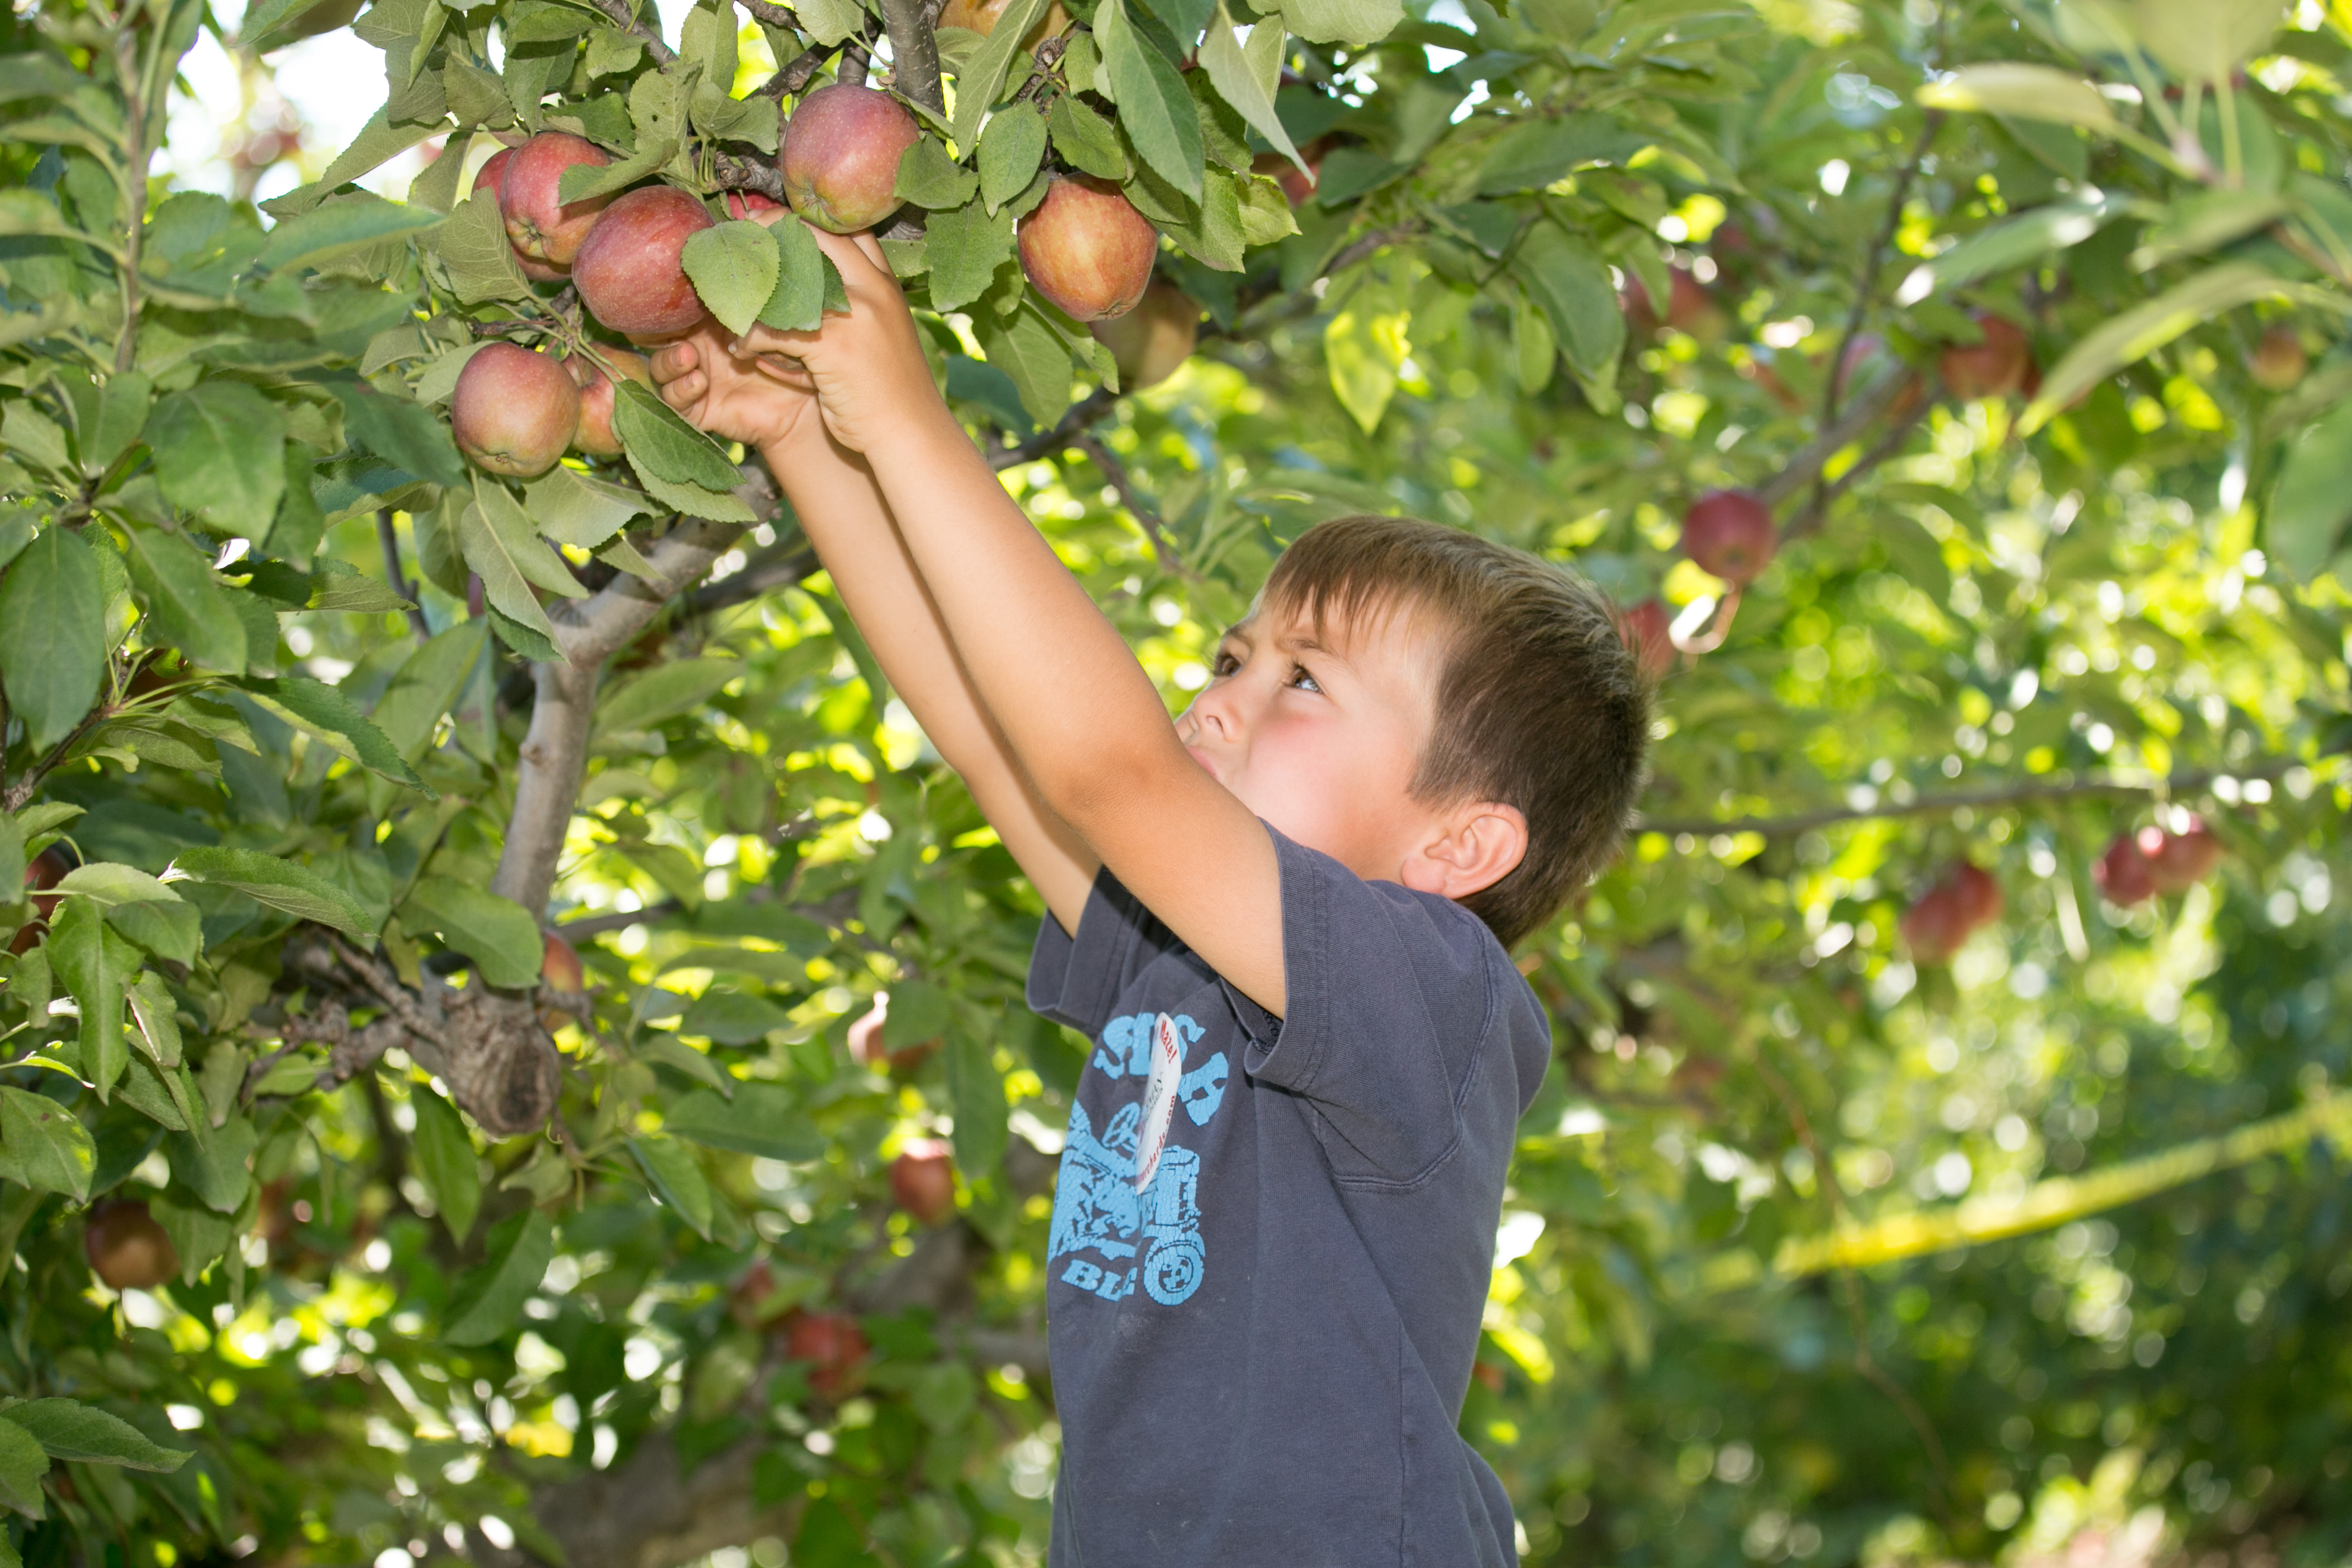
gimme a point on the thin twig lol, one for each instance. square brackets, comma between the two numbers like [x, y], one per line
[1044, 442]
[1817, 510]
[389, 538]
[758, 578]
[1866, 282]
[795, 74]
[1164, 547]
[2196, 781]
[625, 16]
[767, 12]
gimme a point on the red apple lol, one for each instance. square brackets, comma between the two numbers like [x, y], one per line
[840, 160]
[543, 225]
[1731, 534]
[1151, 342]
[832, 1345]
[866, 1046]
[561, 966]
[922, 1180]
[1088, 250]
[493, 169]
[1978, 895]
[46, 870]
[2001, 363]
[2278, 361]
[628, 272]
[981, 16]
[2126, 874]
[2183, 859]
[1644, 628]
[595, 437]
[127, 1248]
[513, 411]
[755, 207]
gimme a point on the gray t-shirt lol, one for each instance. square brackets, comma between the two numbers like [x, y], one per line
[1272, 1240]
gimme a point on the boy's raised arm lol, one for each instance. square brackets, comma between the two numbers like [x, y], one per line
[1083, 721]
[841, 510]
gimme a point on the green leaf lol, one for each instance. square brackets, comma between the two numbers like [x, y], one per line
[1212, 233]
[191, 612]
[983, 74]
[488, 1300]
[445, 1161]
[664, 691]
[337, 226]
[198, 1234]
[1230, 73]
[280, 884]
[918, 1011]
[2206, 222]
[158, 1018]
[94, 964]
[1011, 148]
[669, 1166]
[806, 280]
[499, 561]
[2013, 242]
[976, 1091]
[1568, 280]
[929, 178]
[2313, 502]
[45, 1146]
[1266, 214]
[671, 1051]
[761, 1120]
[1025, 349]
[380, 140]
[476, 253]
[658, 440]
[1531, 155]
[174, 931]
[52, 635]
[964, 248]
[220, 449]
[719, 506]
[734, 268]
[12, 857]
[15, 532]
[400, 432]
[499, 935]
[151, 1093]
[1154, 105]
[426, 687]
[573, 507]
[68, 1429]
[1353, 22]
[23, 1462]
[733, 1017]
[1086, 141]
[106, 884]
[2138, 332]
[324, 714]
[2027, 91]
[1363, 372]
[517, 539]
[122, 408]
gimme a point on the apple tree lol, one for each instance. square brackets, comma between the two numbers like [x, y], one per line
[514, 1047]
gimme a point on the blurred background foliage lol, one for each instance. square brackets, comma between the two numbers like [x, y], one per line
[1755, 1297]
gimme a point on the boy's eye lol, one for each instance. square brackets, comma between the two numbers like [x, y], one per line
[1301, 679]
[1224, 663]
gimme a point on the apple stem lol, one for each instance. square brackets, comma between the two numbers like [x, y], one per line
[1718, 628]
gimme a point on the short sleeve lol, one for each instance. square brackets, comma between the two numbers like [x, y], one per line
[1390, 996]
[1077, 980]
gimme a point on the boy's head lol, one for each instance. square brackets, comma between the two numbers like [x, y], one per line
[1430, 707]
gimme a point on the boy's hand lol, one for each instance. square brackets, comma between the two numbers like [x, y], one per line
[720, 386]
[868, 367]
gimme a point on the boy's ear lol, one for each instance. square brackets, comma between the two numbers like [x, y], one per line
[1473, 848]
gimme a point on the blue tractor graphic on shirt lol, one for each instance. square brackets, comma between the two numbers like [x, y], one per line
[1130, 1194]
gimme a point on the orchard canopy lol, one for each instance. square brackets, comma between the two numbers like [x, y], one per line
[451, 1109]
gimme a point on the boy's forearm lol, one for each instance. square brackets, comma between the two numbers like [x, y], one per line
[1059, 681]
[842, 510]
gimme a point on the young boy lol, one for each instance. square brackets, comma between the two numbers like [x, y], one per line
[1283, 920]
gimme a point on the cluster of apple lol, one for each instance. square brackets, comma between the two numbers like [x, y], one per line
[830, 1344]
[1085, 248]
[2139, 866]
[1963, 900]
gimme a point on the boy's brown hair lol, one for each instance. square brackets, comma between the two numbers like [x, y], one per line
[1539, 704]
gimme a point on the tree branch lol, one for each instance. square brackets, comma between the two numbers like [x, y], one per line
[625, 16]
[1092, 445]
[1065, 433]
[1867, 279]
[555, 749]
[2195, 782]
[794, 75]
[767, 14]
[1799, 470]
[732, 173]
[914, 54]
[389, 538]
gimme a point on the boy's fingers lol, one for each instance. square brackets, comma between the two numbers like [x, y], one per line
[762, 341]
[685, 390]
[672, 360]
[856, 254]
[872, 249]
